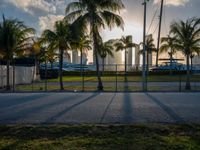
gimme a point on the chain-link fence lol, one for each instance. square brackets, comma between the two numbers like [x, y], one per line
[33, 77]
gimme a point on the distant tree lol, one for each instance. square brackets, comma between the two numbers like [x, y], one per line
[83, 43]
[169, 44]
[187, 35]
[123, 44]
[58, 39]
[150, 47]
[106, 48]
[15, 38]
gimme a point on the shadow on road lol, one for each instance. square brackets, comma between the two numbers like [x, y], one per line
[23, 113]
[13, 101]
[127, 108]
[167, 109]
[106, 110]
[53, 118]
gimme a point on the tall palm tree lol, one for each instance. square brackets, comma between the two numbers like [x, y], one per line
[123, 44]
[106, 48]
[187, 35]
[169, 43]
[14, 38]
[150, 47]
[191, 61]
[96, 14]
[58, 39]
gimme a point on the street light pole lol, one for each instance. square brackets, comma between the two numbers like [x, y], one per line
[144, 75]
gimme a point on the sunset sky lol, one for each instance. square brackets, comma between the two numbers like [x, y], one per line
[41, 14]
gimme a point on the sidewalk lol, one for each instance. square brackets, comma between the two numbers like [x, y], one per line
[122, 108]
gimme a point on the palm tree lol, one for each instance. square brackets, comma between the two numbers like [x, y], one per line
[58, 39]
[96, 14]
[83, 44]
[191, 61]
[51, 57]
[48, 55]
[187, 35]
[14, 38]
[169, 43]
[123, 44]
[150, 47]
[106, 48]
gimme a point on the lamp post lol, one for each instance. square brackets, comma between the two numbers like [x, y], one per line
[144, 69]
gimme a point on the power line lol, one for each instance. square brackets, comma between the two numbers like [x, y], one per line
[155, 28]
[153, 18]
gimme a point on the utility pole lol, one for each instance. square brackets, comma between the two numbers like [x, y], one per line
[160, 24]
[144, 74]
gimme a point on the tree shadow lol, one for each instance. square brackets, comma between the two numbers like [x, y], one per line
[25, 112]
[126, 86]
[13, 101]
[167, 109]
[106, 110]
[53, 118]
[127, 108]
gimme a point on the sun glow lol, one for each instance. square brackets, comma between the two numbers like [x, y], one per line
[133, 29]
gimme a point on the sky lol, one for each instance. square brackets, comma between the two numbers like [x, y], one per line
[41, 14]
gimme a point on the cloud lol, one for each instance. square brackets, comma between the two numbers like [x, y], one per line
[173, 2]
[30, 6]
[47, 22]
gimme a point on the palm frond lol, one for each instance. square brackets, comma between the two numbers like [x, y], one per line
[112, 19]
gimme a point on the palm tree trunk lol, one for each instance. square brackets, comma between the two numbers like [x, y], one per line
[191, 64]
[45, 75]
[103, 63]
[188, 87]
[125, 62]
[147, 61]
[52, 74]
[100, 85]
[95, 47]
[13, 60]
[51, 65]
[82, 69]
[81, 60]
[60, 70]
[170, 63]
[8, 75]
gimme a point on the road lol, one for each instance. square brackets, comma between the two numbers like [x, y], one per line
[100, 108]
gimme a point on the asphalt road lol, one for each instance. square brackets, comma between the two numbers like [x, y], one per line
[75, 108]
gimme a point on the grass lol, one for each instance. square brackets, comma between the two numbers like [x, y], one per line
[53, 84]
[158, 78]
[100, 137]
[106, 88]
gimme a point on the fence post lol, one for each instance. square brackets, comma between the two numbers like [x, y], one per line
[45, 76]
[180, 82]
[32, 84]
[82, 76]
[116, 78]
[13, 75]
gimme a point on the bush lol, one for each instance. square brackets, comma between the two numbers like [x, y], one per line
[51, 74]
